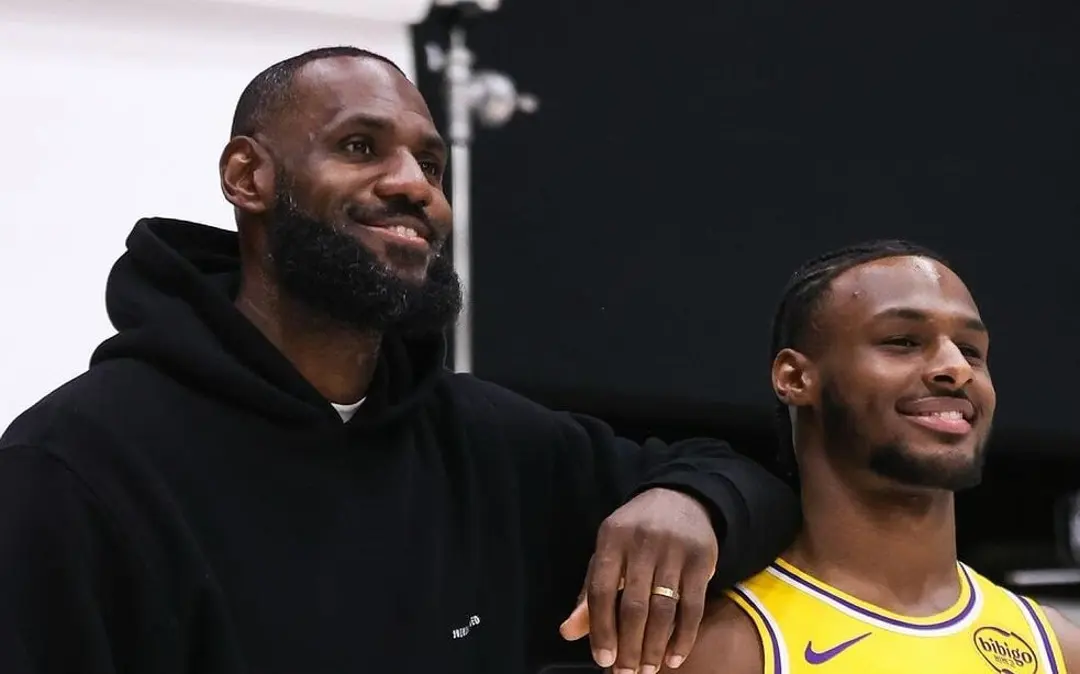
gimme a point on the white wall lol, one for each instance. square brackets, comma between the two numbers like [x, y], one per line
[117, 109]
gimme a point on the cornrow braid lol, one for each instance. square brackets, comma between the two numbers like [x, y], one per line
[802, 297]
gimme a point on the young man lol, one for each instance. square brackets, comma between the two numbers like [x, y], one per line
[880, 368]
[268, 470]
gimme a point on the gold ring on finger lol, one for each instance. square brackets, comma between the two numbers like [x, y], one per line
[666, 592]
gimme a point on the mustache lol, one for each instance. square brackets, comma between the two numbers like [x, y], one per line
[959, 394]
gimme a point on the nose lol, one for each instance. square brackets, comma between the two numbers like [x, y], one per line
[404, 179]
[949, 368]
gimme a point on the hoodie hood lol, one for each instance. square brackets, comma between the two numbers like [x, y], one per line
[170, 298]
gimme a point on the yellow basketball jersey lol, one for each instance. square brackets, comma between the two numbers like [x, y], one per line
[807, 627]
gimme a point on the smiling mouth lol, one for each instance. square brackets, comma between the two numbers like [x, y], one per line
[950, 422]
[401, 235]
[409, 232]
[405, 229]
[942, 414]
[402, 231]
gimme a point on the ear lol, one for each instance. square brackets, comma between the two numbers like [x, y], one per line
[247, 175]
[794, 378]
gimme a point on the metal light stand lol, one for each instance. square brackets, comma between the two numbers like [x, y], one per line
[493, 98]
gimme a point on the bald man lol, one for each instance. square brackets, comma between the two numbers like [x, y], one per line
[268, 470]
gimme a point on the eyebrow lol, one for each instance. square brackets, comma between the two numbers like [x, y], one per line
[430, 142]
[917, 315]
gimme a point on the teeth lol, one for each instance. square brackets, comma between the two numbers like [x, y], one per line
[405, 231]
[951, 415]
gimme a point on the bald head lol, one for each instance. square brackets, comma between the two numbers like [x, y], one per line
[270, 91]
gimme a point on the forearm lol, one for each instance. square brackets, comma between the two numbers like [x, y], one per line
[755, 514]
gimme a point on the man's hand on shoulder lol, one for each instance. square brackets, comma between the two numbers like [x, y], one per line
[661, 550]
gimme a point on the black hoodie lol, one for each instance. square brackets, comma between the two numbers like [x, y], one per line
[192, 504]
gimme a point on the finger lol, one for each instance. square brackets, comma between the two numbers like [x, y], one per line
[577, 625]
[603, 582]
[662, 610]
[634, 612]
[695, 581]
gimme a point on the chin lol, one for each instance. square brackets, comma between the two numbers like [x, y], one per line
[414, 274]
[948, 467]
[406, 262]
[412, 277]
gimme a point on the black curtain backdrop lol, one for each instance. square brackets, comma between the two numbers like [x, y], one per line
[632, 238]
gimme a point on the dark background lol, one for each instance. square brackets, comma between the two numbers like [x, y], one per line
[631, 239]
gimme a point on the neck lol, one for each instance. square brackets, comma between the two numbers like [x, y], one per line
[890, 547]
[337, 360]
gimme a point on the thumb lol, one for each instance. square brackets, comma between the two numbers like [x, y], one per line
[577, 625]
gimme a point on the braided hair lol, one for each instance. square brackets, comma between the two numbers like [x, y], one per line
[803, 296]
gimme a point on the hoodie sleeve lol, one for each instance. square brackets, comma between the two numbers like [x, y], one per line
[755, 514]
[59, 571]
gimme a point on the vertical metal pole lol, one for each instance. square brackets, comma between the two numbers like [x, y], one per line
[459, 78]
[494, 98]
[462, 257]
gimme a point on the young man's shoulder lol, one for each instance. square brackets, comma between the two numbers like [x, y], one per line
[1068, 636]
[727, 643]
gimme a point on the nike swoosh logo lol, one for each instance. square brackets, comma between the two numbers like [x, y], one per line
[821, 657]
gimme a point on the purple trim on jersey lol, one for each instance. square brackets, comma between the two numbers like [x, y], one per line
[1043, 636]
[884, 618]
[777, 667]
